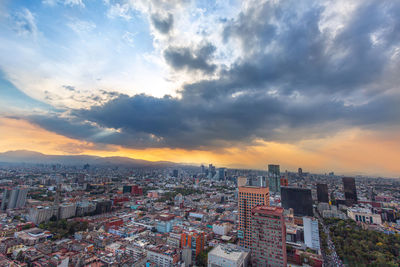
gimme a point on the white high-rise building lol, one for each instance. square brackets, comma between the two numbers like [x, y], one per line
[311, 233]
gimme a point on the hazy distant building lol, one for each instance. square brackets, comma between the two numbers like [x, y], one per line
[274, 176]
[350, 191]
[299, 199]
[300, 172]
[268, 243]
[284, 181]
[322, 193]
[257, 181]
[211, 171]
[221, 174]
[311, 232]
[15, 198]
[241, 181]
[249, 197]
[175, 173]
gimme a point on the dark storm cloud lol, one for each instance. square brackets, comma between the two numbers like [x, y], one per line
[197, 59]
[163, 25]
[293, 82]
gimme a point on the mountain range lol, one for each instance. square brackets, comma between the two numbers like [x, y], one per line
[32, 157]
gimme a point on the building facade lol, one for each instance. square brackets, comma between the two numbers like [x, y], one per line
[311, 232]
[249, 197]
[299, 199]
[268, 247]
[322, 193]
[350, 191]
[274, 178]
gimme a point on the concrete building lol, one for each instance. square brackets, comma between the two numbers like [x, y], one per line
[194, 240]
[249, 197]
[221, 228]
[163, 256]
[268, 246]
[311, 232]
[67, 210]
[40, 214]
[364, 215]
[85, 208]
[15, 198]
[164, 223]
[241, 181]
[228, 255]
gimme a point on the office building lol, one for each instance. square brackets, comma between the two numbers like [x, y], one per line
[175, 173]
[300, 172]
[67, 210]
[274, 178]
[163, 256]
[221, 228]
[322, 193]
[85, 208]
[221, 174]
[311, 232]
[249, 197]
[194, 240]
[284, 182]
[40, 214]
[241, 181]
[228, 255]
[203, 169]
[164, 223]
[350, 191]
[364, 215]
[299, 199]
[268, 247]
[15, 198]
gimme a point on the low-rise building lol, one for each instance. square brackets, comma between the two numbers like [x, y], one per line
[364, 215]
[228, 255]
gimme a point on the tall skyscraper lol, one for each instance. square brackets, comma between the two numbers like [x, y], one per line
[211, 171]
[299, 199]
[15, 198]
[203, 169]
[322, 193]
[249, 197]
[311, 232]
[274, 176]
[268, 247]
[221, 174]
[350, 191]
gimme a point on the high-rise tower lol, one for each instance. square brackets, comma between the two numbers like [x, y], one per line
[350, 191]
[268, 246]
[249, 197]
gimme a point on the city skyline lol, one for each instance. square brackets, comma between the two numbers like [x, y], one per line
[240, 84]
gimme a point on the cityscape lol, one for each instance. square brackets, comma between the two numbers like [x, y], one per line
[199, 133]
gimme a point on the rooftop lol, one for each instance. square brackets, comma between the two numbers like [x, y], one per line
[230, 252]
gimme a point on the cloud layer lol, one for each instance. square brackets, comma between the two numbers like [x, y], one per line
[275, 71]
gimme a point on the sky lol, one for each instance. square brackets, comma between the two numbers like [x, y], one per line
[311, 84]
